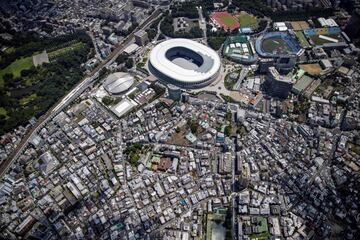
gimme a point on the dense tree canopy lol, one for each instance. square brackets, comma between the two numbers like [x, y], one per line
[167, 28]
[37, 89]
[186, 9]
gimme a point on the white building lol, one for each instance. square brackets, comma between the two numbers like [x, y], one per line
[280, 26]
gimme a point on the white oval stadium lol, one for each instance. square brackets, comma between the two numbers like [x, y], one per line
[184, 63]
[118, 82]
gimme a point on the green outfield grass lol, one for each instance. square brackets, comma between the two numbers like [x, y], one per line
[228, 20]
[16, 67]
[302, 39]
[247, 20]
[271, 44]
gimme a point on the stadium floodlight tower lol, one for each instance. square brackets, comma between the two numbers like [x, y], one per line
[184, 63]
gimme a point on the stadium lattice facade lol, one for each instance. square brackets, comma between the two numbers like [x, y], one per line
[184, 63]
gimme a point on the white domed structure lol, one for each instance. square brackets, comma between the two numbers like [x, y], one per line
[119, 82]
[184, 63]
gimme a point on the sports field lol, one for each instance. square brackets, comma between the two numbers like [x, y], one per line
[299, 25]
[228, 20]
[225, 20]
[302, 84]
[313, 69]
[238, 48]
[302, 39]
[320, 41]
[16, 67]
[247, 20]
[275, 45]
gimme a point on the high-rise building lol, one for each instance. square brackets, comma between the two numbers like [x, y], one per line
[285, 64]
[277, 85]
[264, 64]
[174, 92]
[141, 38]
[353, 27]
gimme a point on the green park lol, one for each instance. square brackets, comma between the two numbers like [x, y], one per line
[28, 91]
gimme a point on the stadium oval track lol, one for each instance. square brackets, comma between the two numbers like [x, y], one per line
[184, 63]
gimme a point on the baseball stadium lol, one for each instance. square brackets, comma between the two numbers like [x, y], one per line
[277, 44]
[239, 49]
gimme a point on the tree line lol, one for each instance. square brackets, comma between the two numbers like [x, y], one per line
[27, 44]
[258, 7]
[49, 82]
[167, 28]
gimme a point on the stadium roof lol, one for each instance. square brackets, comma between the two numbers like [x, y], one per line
[209, 67]
[118, 82]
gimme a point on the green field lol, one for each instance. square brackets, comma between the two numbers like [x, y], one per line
[26, 63]
[228, 20]
[16, 67]
[65, 50]
[25, 100]
[3, 111]
[247, 20]
[302, 39]
[278, 45]
[319, 41]
[33, 92]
